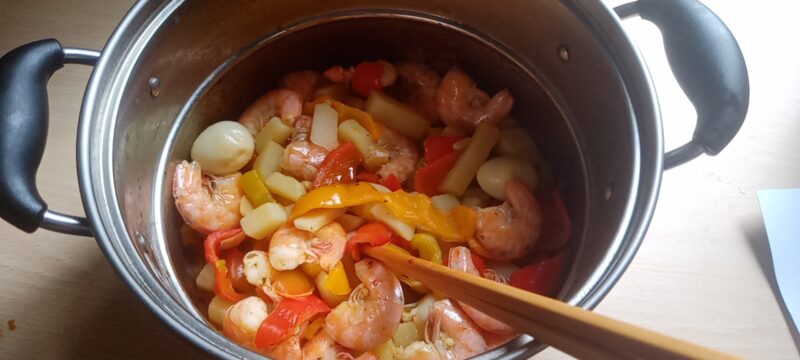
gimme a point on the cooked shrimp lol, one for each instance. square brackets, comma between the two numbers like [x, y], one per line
[302, 157]
[371, 315]
[281, 102]
[304, 83]
[288, 349]
[328, 245]
[288, 248]
[258, 272]
[322, 347]
[206, 203]
[339, 74]
[419, 85]
[243, 319]
[452, 333]
[460, 102]
[461, 259]
[403, 154]
[509, 231]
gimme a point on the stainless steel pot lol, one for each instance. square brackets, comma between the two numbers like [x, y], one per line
[172, 67]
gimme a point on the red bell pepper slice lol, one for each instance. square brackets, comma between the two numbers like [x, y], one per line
[213, 244]
[556, 224]
[392, 182]
[234, 261]
[542, 277]
[339, 167]
[374, 233]
[368, 177]
[439, 145]
[288, 314]
[367, 78]
[428, 179]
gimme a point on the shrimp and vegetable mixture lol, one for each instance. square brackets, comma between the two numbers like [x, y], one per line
[380, 154]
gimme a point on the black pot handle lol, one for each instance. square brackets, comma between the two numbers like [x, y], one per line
[709, 67]
[24, 73]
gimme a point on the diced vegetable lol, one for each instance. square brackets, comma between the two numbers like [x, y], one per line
[336, 196]
[274, 130]
[392, 182]
[287, 315]
[350, 222]
[459, 178]
[223, 148]
[456, 225]
[428, 247]
[428, 180]
[269, 160]
[396, 115]
[313, 328]
[495, 173]
[438, 146]
[352, 131]
[253, 186]
[374, 234]
[285, 186]
[205, 278]
[234, 260]
[263, 221]
[475, 197]
[379, 212]
[324, 126]
[334, 287]
[348, 112]
[405, 334]
[212, 246]
[312, 269]
[217, 309]
[556, 223]
[518, 142]
[445, 202]
[244, 206]
[367, 78]
[292, 283]
[542, 277]
[316, 219]
[339, 167]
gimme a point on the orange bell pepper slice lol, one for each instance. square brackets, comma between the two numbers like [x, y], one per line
[336, 197]
[456, 225]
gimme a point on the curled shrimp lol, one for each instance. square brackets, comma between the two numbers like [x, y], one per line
[371, 314]
[460, 102]
[328, 245]
[419, 85]
[511, 230]
[322, 347]
[259, 272]
[288, 248]
[288, 349]
[302, 157]
[403, 154]
[243, 319]
[461, 259]
[452, 333]
[206, 203]
[281, 102]
[304, 83]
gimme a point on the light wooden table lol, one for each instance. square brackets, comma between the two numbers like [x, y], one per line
[702, 274]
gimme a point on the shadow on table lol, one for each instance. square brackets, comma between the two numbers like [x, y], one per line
[757, 238]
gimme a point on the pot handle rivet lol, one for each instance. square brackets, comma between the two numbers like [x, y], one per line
[155, 86]
[563, 53]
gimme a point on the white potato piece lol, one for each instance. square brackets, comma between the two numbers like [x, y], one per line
[350, 130]
[245, 207]
[317, 218]
[445, 202]
[269, 160]
[382, 213]
[495, 173]
[223, 148]
[350, 222]
[275, 130]
[217, 309]
[263, 221]
[396, 115]
[285, 186]
[462, 173]
[518, 142]
[324, 126]
[205, 278]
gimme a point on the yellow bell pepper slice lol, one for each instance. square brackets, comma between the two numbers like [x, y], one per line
[336, 282]
[456, 225]
[254, 188]
[349, 112]
[335, 197]
[312, 269]
[428, 247]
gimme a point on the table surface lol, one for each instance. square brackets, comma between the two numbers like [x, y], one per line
[703, 273]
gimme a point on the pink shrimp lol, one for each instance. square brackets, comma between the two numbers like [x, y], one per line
[288, 349]
[371, 315]
[304, 83]
[284, 103]
[322, 347]
[289, 248]
[511, 230]
[452, 333]
[206, 203]
[461, 259]
[403, 154]
[302, 157]
[328, 245]
[419, 85]
[460, 102]
[243, 319]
